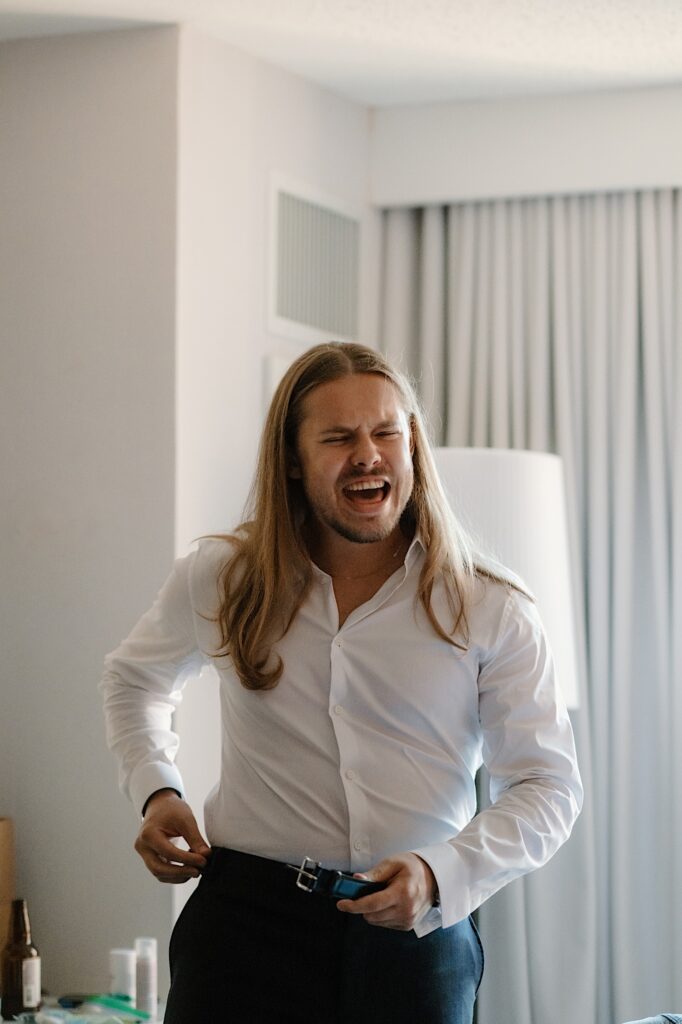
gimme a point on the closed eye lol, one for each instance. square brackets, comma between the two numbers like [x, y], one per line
[342, 438]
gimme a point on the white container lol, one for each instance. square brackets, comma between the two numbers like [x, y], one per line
[123, 974]
[147, 976]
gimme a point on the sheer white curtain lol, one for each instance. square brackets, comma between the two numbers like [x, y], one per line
[555, 324]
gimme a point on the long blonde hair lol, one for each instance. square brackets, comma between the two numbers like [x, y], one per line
[268, 574]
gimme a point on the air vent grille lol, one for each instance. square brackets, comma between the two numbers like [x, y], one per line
[317, 266]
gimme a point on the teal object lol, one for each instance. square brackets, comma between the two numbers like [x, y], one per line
[121, 1007]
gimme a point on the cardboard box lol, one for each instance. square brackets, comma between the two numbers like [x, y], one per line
[7, 864]
[7, 879]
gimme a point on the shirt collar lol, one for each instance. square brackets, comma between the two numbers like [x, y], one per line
[415, 550]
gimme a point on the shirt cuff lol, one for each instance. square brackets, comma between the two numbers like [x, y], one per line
[431, 920]
[455, 898]
[438, 862]
[146, 779]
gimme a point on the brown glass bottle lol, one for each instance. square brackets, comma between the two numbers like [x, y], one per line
[20, 966]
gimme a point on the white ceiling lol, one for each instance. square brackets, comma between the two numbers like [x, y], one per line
[382, 52]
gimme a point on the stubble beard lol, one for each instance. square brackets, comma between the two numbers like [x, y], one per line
[348, 533]
[367, 535]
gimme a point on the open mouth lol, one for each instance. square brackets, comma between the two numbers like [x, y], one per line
[366, 493]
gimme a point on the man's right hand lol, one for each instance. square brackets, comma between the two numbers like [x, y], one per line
[167, 816]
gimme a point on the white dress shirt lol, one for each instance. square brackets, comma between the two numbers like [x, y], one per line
[369, 744]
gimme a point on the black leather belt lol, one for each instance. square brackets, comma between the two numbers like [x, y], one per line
[338, 885]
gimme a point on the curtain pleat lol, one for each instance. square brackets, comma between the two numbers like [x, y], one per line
[675, 829]
[482, 312]
[516, 329]
[596, 517]
[618, 859]
[538, 305]
[558, 328]
[401, 277]
[461, 225]
[499, 343]
[656, 317]
[432, 314]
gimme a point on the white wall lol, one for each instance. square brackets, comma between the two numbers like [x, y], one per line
[444, 152]
[87, 308]
[240, 121]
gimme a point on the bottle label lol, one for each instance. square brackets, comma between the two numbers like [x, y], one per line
[30, 970]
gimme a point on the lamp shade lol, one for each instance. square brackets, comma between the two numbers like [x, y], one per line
[514, 505]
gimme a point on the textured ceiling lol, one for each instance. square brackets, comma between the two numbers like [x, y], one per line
[382, 52]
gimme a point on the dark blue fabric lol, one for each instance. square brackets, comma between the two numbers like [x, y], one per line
[663, 1018]
[251, 948]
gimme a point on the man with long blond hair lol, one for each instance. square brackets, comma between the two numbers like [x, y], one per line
[369, 660]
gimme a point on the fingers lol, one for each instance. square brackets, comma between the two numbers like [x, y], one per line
[160, 845]
[399, 916]
[159, 837]
[195, 840]
[167, 820]
[168, 811]
[399, 913]
[375, 903]
[404, 900]
[165, 861]
[164, 870]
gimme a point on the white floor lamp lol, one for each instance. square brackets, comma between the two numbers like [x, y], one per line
[514, 503]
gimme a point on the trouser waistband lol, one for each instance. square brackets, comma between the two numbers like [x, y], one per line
[248, 866]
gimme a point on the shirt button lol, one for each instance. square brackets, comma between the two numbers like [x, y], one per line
[357, 845]
[338, 710]
[338, 643]
[350, 774]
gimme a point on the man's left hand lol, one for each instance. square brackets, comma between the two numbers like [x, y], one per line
[408, 895]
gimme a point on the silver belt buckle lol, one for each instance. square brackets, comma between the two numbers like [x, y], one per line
[307, 873]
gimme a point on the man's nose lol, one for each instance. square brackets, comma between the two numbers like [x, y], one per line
[365, 453]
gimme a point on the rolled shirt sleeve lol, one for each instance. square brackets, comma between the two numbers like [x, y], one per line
[535, 786]
[141, 688]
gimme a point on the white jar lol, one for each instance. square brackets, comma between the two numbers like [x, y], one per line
[122, 974]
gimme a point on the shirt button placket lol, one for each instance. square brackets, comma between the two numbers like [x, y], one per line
[350, 775]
